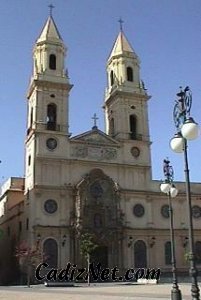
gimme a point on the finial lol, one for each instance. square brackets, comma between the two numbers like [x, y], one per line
[121, 24]
[51, 8]
[95, 118]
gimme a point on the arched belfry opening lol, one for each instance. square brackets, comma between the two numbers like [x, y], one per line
[30, 122]
[111, 78]
[52, 62]
[129, 72]
[31, 117]
[51, 116]
[98, 212]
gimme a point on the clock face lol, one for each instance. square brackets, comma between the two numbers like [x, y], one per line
[51, 143]
[50, 206]
[135, 151]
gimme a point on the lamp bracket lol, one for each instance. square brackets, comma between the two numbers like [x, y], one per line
[182, 107]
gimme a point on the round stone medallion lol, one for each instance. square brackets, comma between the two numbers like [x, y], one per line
[165, 211]
[51, 143]
[135, 151]
[196, 211]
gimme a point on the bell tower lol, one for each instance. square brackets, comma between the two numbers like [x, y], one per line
[49, 87]
[48, 94]
[126, 97]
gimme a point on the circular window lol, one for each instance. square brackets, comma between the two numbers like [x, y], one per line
[138, 210]
[165, 211]
[50, 206]
[51, 143]
[135, 151]
[196, 211]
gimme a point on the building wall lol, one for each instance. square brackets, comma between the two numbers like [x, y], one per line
[13, 226]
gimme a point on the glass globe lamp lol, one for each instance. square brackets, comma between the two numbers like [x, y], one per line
[165, 187]
[190, 129]
[173, 191]
[177, 143]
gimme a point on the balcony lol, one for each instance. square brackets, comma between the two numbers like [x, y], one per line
[135, 136]
[46, 126]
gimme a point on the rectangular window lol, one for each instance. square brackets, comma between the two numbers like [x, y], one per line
[168, 253]
[27, 224]
[20, 226]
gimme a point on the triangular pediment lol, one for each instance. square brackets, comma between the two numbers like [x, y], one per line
[95, 136]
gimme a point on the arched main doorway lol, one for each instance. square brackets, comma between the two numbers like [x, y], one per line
[100, 255]
[140, 254]
[50, 250]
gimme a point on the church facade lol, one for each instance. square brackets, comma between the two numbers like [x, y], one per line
[97, 182]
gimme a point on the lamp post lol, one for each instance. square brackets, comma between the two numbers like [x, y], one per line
[168, 188]
[187, 129]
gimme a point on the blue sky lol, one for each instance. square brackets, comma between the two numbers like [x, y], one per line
[166, 35]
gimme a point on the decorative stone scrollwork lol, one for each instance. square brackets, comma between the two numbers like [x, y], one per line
[98, 153]
[80, 152]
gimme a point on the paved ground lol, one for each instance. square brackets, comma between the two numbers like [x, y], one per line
[108, 291]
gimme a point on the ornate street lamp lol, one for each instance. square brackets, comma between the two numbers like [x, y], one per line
[187, 129]
[168, 188]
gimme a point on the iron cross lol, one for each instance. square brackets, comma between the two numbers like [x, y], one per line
[95, 118]
[51, 8]
[121, 24]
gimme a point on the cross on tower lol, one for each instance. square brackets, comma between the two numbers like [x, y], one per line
[51, 8]
[95, 118]
[121, 24]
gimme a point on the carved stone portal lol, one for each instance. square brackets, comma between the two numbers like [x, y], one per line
[97, 211]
